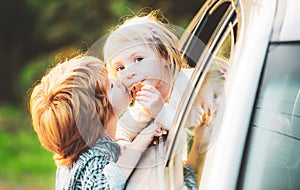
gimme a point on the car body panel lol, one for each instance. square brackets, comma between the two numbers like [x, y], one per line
[273, 139]
[224, 157]
[290, 30]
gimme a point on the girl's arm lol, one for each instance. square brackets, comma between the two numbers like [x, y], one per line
[131, 123]
[166, 116]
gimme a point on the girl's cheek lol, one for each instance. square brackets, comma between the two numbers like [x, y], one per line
[121, 77]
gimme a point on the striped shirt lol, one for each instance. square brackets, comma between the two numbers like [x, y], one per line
[95, 169]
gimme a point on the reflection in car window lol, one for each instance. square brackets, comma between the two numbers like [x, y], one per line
[210, 103]
[200, 117]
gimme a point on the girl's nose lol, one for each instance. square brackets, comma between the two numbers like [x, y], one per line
[127, 74]
[130, 75]
[130, 72]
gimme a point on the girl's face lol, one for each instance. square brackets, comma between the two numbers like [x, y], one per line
[118, 96]
[140, 63]
[206, 97]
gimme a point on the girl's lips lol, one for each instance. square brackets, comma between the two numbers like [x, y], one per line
[135, 83]
[135, 88]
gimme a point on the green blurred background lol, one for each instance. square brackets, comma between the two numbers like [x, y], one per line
[34, 35]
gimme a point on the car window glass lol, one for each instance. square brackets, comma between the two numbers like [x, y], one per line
[204, 100]
[274, 137]
[202, 33]
[208, 107]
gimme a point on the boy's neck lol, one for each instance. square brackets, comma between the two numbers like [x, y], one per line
[110, 126]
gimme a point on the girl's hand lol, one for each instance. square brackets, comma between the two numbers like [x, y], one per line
[151, 99]
[195, 117]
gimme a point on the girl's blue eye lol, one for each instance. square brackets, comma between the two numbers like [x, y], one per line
[120, 68]
[138, 59]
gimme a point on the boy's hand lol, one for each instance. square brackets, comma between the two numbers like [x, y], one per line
[151, 99]
[145, 137]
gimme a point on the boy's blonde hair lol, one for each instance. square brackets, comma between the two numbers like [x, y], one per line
[150, 29]
[70, 106]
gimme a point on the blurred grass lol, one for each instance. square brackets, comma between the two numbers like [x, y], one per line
[24, 163]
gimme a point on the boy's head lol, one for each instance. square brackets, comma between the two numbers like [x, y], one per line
[152, 30]
[70, 106]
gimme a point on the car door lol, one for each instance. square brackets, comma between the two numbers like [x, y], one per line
[271, 158]
[251, 138]
[208, 45]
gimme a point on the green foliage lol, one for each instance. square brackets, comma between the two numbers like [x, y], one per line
[32, 28]
[36, 69]
[12, 118]
[24, 162]
[33, 33]
[122, 8]
[32, 73]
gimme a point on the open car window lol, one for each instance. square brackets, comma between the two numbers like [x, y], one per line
[199, 119]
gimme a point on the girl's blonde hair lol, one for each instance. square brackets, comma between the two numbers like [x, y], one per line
[151, 29]
[70, 106]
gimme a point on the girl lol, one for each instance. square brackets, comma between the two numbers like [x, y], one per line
[145, 50]
[74, 117]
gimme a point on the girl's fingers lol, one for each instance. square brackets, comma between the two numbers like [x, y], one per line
[148, 97]
[143, 103]
[198, 109]
[149, 88]
[149, 91]
[144, 93]
[143, 99]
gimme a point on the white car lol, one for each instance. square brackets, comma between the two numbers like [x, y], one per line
[246, 59]
[252, 139]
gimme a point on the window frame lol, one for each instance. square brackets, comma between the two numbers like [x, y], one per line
[197, 77]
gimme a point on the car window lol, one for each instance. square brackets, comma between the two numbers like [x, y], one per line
[272, 152]
[210, 100]
[203, 28]
[205, 99]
